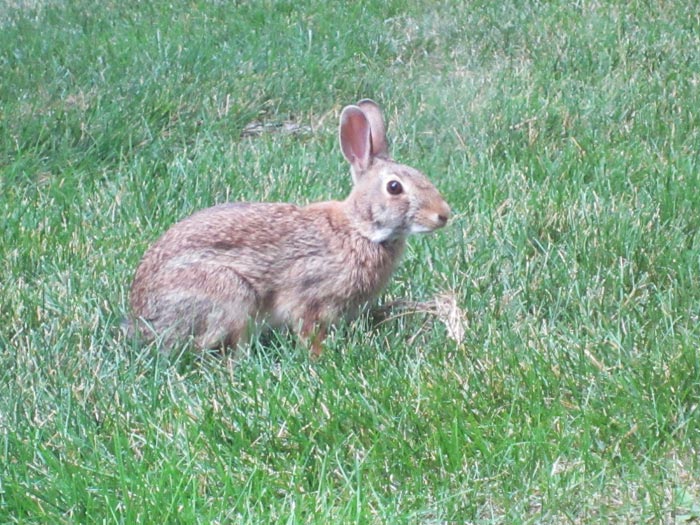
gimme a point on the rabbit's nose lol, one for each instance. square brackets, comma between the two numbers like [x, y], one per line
[444, 214]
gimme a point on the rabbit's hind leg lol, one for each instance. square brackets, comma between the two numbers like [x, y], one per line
[228, 315]
[211, 305]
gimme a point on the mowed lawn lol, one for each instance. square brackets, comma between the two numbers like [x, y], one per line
[538, 360]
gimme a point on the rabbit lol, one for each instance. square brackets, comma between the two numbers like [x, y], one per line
[216, 273]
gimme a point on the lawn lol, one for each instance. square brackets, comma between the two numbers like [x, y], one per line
[565, 137]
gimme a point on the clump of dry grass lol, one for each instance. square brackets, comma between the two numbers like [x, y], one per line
[443, 308]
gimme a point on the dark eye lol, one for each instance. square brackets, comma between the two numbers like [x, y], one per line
[394, 187]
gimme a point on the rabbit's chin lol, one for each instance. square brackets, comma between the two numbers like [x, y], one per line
[421, 228]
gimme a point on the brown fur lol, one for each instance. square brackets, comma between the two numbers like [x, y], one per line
[304, 267]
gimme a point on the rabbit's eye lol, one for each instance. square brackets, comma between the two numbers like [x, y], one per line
[394, 187]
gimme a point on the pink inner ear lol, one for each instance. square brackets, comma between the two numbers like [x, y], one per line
[355, 137]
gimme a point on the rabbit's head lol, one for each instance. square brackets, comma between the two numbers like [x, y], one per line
[389, 200]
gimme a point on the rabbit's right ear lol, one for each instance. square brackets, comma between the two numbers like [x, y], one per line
[355, 138]
[376, 123]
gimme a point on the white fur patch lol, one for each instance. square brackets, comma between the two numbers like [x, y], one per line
[381, 235]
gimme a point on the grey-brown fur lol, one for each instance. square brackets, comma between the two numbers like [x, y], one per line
[214, 272]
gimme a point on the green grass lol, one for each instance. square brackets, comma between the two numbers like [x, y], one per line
[564, 135]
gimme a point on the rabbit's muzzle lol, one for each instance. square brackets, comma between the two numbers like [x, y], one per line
[431, 218]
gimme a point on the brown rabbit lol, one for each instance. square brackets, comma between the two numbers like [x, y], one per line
[212, 273]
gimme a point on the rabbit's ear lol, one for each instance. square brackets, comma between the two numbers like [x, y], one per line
[355, 138]
[376, 123]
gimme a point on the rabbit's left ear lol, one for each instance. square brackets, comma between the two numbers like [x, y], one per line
[355, 139]
[371, 110]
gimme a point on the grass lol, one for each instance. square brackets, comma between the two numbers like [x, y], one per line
[565, 136]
